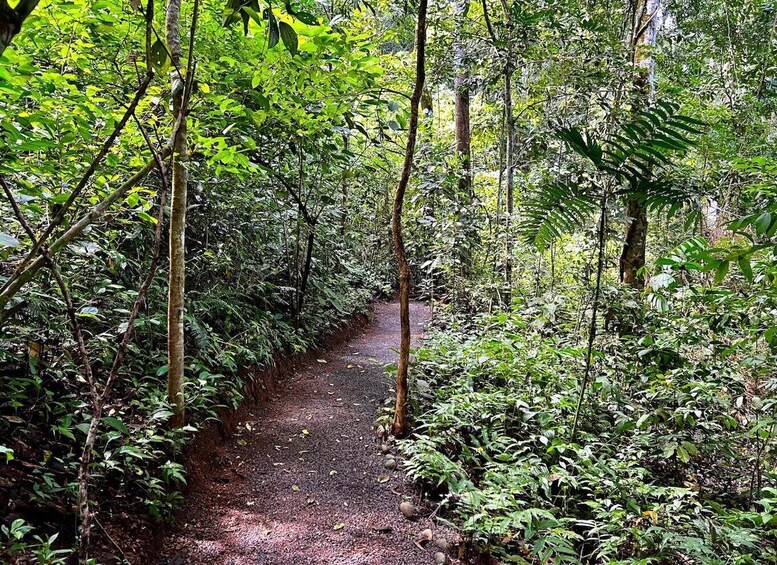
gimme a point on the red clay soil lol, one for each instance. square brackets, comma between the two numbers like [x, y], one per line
[303, 480]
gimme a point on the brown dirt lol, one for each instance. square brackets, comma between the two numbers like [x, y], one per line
[298, 483]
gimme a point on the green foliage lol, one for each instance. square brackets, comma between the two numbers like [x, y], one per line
[630, 162]
[15, 543]
[258, 115]
[663, 470]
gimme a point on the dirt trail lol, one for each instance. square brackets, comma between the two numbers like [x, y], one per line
[299, 482]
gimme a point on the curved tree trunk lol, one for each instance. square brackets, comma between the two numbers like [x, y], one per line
[400, 425]
[177, 275]
[643, 42]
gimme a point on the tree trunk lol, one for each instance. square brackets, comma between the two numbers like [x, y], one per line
[643, 41]
[400, 425]
[303, 286]
[11, 20]
[633, 254]
[462, 126]
[177, 275]
[510, 170]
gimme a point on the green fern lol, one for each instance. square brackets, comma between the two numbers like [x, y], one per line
[635, 159]
[556, 210]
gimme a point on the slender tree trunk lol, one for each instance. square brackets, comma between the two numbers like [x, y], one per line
[510, 173]
[635, 240]
[400, 425]
[601, 236]
[506, 146]
[643, 43]
[303, 286]
[462, 127]
[177, 275]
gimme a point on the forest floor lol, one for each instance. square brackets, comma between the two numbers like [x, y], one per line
[303, 480]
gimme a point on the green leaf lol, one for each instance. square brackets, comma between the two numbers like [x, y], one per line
[746, 268]
[289, 37]
[116, 424]
[159, 59]
[762, 223]
[307, 18]
[145, 216]
[689, 447]
[7, 240]
[253, 14]
[88, 311]
[721, 271]
[272, 31]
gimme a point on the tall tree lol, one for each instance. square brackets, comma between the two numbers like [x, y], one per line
[643, 41]
[400, 425]
[508, 69]
[462, 122]
[177, 275]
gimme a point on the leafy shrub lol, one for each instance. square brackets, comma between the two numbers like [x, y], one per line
[673, 462]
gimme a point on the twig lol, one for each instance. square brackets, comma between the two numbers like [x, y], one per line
[594, 311]
[60, 215]
[113, 542]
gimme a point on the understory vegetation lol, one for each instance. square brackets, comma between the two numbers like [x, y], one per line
[673, 457]
[583, 191]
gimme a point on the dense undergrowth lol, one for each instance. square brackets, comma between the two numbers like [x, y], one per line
[138, 465]
[239, 318]
[674, 458]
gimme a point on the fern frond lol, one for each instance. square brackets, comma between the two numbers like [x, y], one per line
[665, 196]
[203, 335]
[556, 210]
[648, 142]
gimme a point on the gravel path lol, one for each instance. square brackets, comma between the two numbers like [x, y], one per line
[303, 481]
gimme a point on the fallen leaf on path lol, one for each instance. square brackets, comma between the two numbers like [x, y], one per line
[321, 360]
[339, 526]
[295, 488]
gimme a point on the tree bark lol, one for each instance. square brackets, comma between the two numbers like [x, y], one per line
[303, 286]
[635, 239]
[510, 170]
[643, 42]
[462, 125]
[11, 20]
[400, 425]
[177, 274]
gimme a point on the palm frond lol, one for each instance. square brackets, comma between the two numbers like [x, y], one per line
[557, 209]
